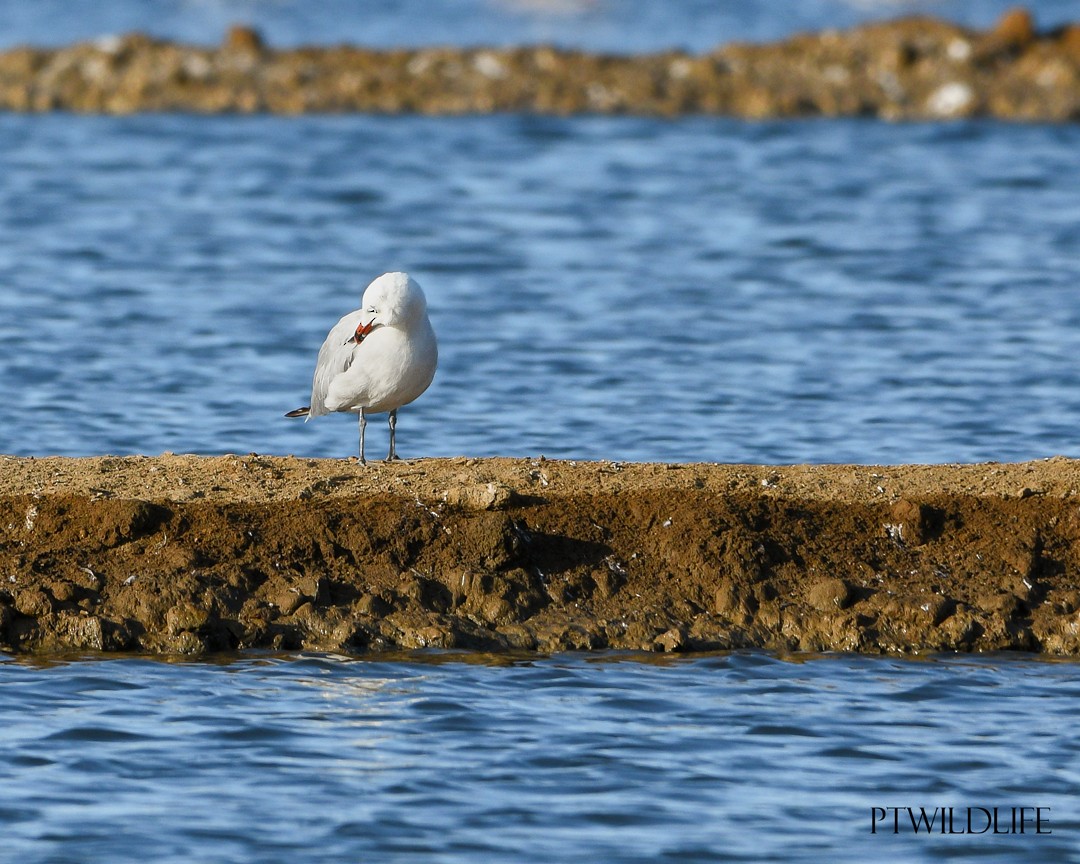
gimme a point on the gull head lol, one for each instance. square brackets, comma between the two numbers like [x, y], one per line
[392, 300]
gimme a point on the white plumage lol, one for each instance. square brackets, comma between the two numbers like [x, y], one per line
[378, 358]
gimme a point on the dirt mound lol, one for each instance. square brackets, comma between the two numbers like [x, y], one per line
[187, 554]
[914, 68]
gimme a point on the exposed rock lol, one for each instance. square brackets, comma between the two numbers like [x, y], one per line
[1016, 28]
[911, 68]
[243, 39]
[482, 496]
[830, 594]
[673, 640]
[188, 555]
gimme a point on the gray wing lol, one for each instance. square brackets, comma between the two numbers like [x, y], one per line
[335, 356]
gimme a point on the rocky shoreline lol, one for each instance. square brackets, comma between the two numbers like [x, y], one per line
[188, 554]
[907, 69]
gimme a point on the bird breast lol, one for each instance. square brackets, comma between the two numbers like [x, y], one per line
[390, 368]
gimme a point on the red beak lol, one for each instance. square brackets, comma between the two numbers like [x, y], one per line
[361, 332]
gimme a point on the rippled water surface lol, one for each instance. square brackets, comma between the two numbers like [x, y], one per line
[603, 288]
[731, 758]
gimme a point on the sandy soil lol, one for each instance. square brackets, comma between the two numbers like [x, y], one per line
[914, 68]
[189, 554]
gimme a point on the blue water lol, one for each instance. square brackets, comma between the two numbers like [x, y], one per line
[697, 289]
[731, 758]
[603, 288]
[619, 26]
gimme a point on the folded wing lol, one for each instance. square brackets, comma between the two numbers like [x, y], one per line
[335, 356]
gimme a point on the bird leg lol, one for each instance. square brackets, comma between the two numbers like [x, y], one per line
[392, 455]
[363, 424]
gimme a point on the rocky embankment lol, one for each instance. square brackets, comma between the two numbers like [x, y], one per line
[915, 68]
[189, 554]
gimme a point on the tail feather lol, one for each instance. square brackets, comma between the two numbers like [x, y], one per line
[300, 412]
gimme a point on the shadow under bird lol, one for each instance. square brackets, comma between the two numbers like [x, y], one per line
[377, 358]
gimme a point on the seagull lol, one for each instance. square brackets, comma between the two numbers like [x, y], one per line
[377, 358]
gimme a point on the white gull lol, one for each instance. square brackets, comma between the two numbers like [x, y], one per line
[378, 358]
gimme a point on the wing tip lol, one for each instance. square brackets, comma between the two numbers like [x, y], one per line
[300, 412]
